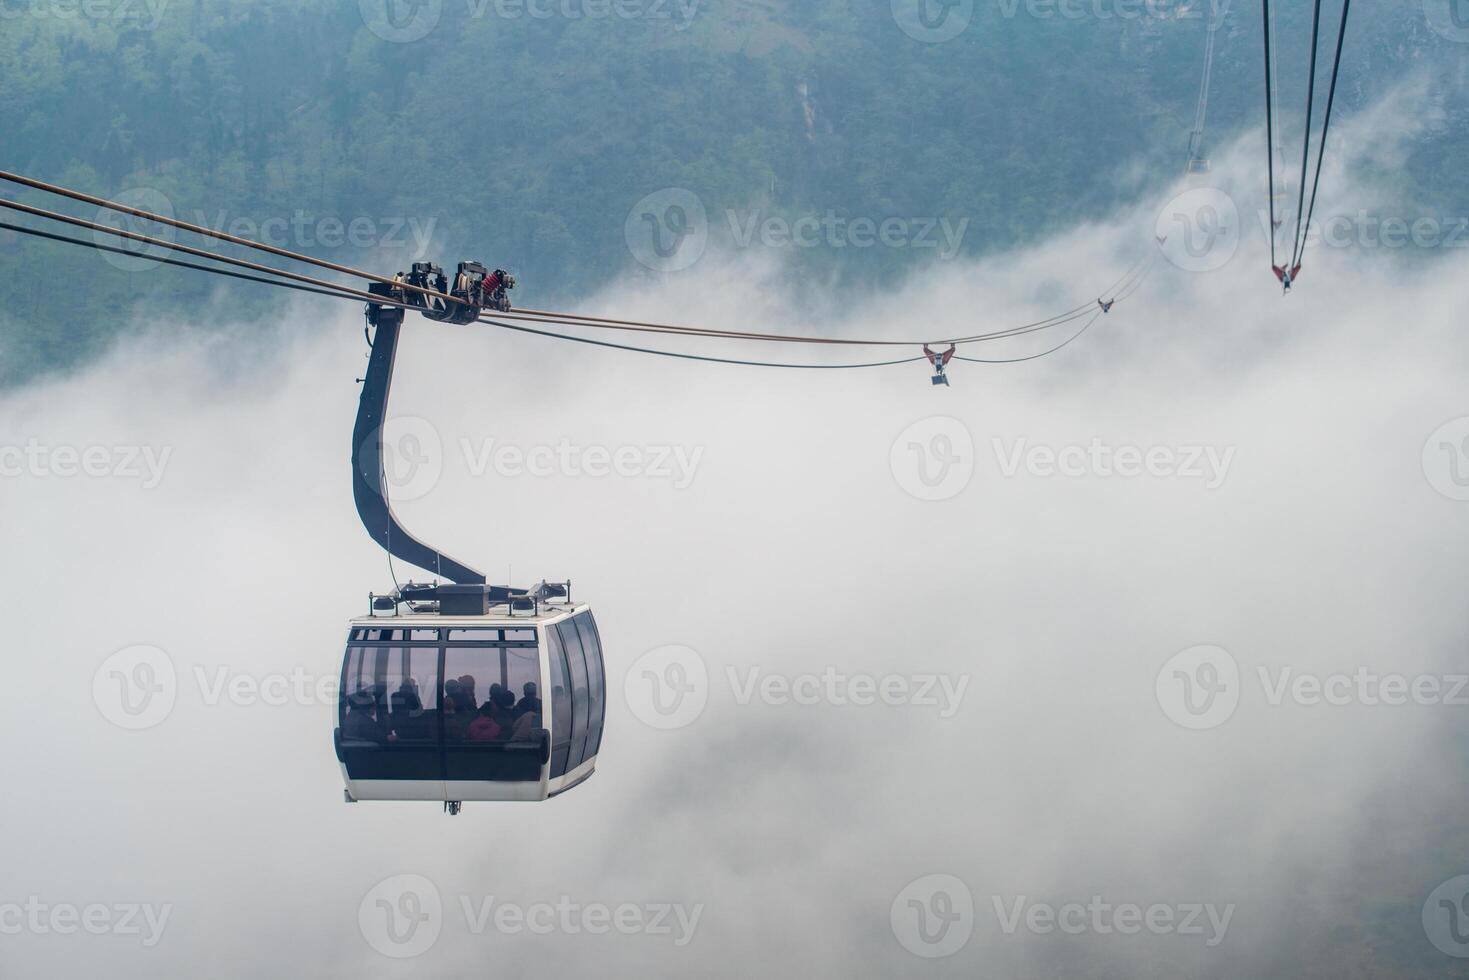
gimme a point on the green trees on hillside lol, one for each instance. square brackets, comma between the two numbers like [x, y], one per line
[525, 140]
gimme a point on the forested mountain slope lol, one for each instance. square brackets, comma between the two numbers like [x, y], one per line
[527, 140]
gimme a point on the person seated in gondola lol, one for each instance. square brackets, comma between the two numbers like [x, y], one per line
[528, 723]
[406, 712]
[466, 687]
[484, 728]
[531, 701]
[360, 723]
[457, 710]
[502, 709]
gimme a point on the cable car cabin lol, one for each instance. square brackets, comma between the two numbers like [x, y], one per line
[453, 708]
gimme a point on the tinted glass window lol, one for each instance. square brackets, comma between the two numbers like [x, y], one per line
[479, 636]
[412, 677]
[596, 680]
[356, 700]
[560, 704]
[469, 673]
[363, 695]
[523, 681]
[481, 682]
[577, 663]
[352, 670]
[389, 716]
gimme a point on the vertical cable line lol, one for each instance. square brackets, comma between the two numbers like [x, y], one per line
[1269, 131]
[1274, 67]
[1196, 135]
[1341, 37]
[1306, 143]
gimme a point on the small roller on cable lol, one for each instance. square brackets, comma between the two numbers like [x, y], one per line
[1286, 276]
[939, 361]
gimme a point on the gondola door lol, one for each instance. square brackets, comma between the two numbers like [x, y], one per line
[485, 742]
[388, 715]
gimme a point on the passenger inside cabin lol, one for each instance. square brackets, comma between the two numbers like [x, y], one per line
[466, 686]
[360, 723]
[526, 724]
[531, 702]
[408, 717]
[502, 710]
[484, 728]
[457, 711]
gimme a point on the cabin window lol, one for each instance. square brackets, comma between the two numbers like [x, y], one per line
[411, 677]
[474, 636]
[560, 694]
[523, 680]
[373, 634]
[489, 691]
[576, 661]
[387, 694]
[596, 680]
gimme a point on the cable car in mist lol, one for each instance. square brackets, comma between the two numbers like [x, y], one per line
[508, 705]
[457, 690]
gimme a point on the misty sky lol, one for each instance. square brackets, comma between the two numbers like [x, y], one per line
[1302, 521]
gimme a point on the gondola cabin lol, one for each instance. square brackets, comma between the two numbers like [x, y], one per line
[504, 706]
[456, 690]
